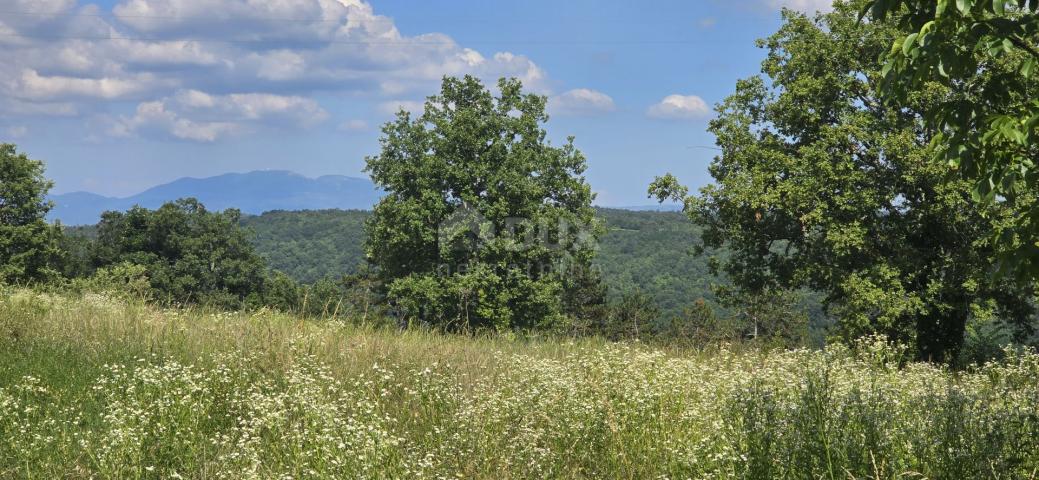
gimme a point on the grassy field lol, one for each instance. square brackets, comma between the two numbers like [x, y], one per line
[95, 387]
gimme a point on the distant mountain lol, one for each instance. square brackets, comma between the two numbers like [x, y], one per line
[667, 207]
[252, 193]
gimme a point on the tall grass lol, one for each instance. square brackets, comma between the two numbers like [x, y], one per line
[94, 387]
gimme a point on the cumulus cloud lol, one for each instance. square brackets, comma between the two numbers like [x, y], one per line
[73, 59]
[33, 86]
[197, 116]
[806, 6]
[581, 101]
[679, 107]
[156, 117]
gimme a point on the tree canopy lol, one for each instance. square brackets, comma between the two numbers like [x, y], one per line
[190, 255]
[29, 246]
[822, 184]
[982, 56]
[482, 216]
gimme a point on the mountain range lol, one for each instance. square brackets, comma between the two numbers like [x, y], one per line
[252, 193]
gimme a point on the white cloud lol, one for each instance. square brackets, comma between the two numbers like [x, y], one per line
[581, 101]
[198, 116]
[806, 6]
[679, 107]
[89, 62]
[298, 111]
[176, 52]
[303, 45]
[32, 85]
[155, 117]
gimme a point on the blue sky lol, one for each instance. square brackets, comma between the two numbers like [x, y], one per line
[118, 96]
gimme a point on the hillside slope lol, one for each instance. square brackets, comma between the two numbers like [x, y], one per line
[649, 251]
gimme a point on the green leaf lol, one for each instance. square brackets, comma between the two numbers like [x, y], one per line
[964, 6]
[909, 43]
[1027, 67]
[897, 45]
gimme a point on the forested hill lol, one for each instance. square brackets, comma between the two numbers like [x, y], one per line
[650, 251]
[311, 244]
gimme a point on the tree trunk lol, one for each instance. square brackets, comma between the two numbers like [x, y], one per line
[940, 334]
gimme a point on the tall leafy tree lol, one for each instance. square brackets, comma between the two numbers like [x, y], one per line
[822, 185]
[983, 55]
[483, 217]
[192, 255]
[29, 246]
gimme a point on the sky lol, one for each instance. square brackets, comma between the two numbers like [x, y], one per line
[117, 96]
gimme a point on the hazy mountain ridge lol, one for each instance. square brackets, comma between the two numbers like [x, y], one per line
[253, 193]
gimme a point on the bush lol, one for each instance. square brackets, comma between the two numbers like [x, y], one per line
[123, 280]
[985, 339]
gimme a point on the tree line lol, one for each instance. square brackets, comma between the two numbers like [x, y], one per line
[642, 251]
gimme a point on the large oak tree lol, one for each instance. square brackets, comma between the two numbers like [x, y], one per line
[485, 224]
[820, 184]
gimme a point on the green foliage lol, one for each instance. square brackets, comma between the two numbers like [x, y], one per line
[633, 317]
[29, 246]
[648, 251]
[77, 246]
[699, 325]
[310, 245]
[483, 217]
[122, 280]
[981, 56]
[190, 255]
[821, 185]
[282, 292]
[777, 317]
[651, 252]
[586, 301]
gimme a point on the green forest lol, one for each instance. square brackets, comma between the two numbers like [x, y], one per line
[646, 251]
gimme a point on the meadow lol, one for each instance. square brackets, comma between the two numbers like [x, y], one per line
[94, 386]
